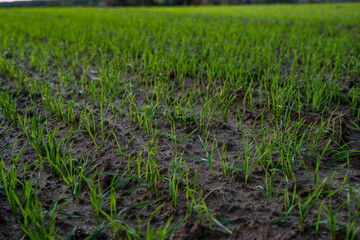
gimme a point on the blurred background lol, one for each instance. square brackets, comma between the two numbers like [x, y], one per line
[35, 3]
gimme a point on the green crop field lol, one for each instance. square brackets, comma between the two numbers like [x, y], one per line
[228, 122]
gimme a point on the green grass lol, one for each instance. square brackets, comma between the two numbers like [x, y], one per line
[283, 79]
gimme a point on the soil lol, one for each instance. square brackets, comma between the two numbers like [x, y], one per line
[245, 207]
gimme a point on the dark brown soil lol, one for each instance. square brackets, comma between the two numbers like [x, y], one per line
[245, 207]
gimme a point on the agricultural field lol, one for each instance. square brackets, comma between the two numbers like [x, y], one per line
[186, 123]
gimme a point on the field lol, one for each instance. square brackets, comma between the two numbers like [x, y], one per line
[186, 123]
